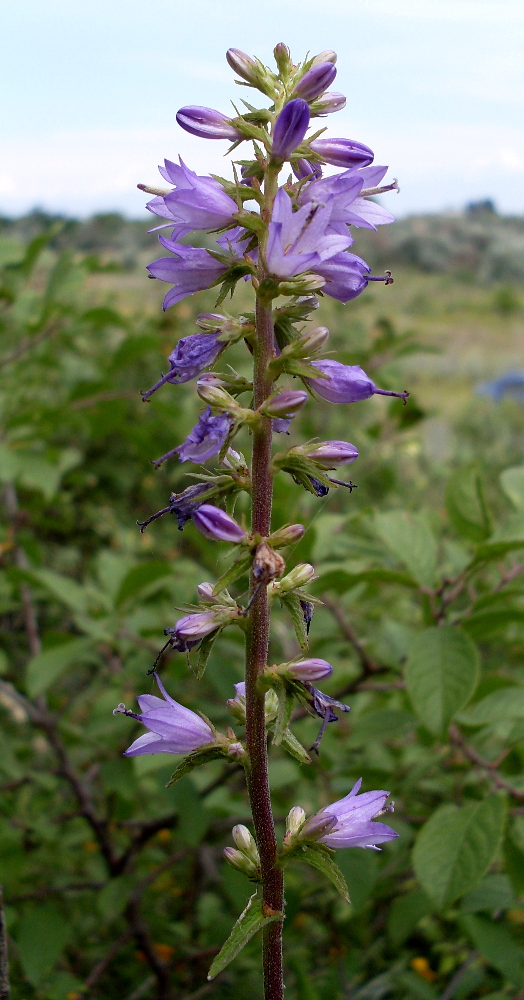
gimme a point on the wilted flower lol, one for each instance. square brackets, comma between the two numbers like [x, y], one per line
[343, 152]
[352, 815]
[206, 439]
[191, 356]
[290, 128]
[346, 383]
[183, 505]
[217, 525]
[315, 81]
[173, 728]
[207, 123]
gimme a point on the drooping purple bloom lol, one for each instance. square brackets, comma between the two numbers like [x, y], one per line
[196, 203]
[315, 81]
[172, 728]
[332, 453]
[190, 270]
[297, 241]
[207, 437]
[353, 826]
[207, 123]
[290, 128]
[343, 152]
[191, 629]
[346, 383]
[346, 276]
[191, 356]
[217, 525]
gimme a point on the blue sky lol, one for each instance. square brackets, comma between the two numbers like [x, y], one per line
[90, 89]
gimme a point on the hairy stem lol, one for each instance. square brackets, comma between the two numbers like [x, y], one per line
[257, 641]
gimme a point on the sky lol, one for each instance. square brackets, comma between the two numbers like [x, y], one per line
[89, 90]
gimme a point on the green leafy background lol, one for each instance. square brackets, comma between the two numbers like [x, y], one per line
[114, 885]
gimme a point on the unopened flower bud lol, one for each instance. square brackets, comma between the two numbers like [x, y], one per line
[217, 525]
[268, 565]
[215, 396]
[236, 751]
[285, 405]
[242, 64]
[328, 56]
[235, 460]
[207, 123]
[318, 826]
[304, 168]
[282, 57]
[302, 284]
[239, 861]
[310, 670]
[312, 342]
[295, 819]
[290, 128]
[332, 453]
[191, 629]
[205, 593]
[245, 842]
[346, 383]
[315, 81]
[287, 535]
[210, 321]
[343, 152]
[299, 576]
[327, 103]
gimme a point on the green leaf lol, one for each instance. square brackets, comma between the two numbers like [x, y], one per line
[64, 588]
[497, 946]
[292, 605]
[456, 847]
[285, 708]
[466, 505]
[139, 578]
[204, 652]
[42, 934]
[320, 857]
[252, 920]
[485, 623]
[512, 482]
[441, 675]
[404, 915]
[239, 567]
[44, 669]
[506, 703]
[195, 759]
[493, 893]
[412, 541]
[294, 748]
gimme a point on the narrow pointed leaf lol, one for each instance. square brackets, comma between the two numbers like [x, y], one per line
[294, 748]
[204, 652]
[320, 858]
[248, 924]
[292, 604]
[195, 759]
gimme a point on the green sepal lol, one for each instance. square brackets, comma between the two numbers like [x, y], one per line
[293, 366]
[292, 604]
[204, 652]
[195, 759]
[250, 921]
[240, 566]
[285, 708]
[320, 857]
[294, 748]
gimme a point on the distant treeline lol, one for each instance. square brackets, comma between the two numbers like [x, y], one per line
[478, 243]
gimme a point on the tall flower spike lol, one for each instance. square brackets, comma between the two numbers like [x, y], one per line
[172, 728]
[346, 383]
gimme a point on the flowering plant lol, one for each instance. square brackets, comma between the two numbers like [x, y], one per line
[289, 238]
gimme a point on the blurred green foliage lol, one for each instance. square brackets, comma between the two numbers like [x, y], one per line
[114, 885]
